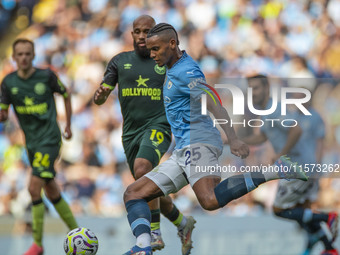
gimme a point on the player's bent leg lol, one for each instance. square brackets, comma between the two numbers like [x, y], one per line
[159, 182]
[139, 216]
[300, 214]
[216, 195]
[141, 167]
[204, 190]
[236, 186]
[53, 193]
[38, 211]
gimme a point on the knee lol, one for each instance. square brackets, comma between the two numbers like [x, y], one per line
[34, 192]
[54, 197]
[209, 202]
[130, 193]
[52, 191]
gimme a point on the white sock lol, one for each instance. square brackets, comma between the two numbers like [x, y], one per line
[271, 173]
[325, 229]
[270, 176]
[183, 223]
[143, 240]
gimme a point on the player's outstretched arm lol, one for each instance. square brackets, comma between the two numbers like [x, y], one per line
[101, 95]
[3, 115]
[237, 147]
[68, 109]
[294, 135]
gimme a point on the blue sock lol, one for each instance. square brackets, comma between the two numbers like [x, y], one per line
[296, 214]
[303, 215]
[236, 186]
[139, 216]
[320, 217]
[258, 178]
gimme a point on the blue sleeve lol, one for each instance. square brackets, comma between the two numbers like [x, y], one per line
[197, 84]
[274, 120]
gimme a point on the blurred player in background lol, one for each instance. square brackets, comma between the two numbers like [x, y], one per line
[30, 90]
[146, 131]
[198, 143]
[303, 143]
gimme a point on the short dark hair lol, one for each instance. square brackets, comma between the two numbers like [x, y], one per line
[22, 40]
[263, 78]
[162, 28]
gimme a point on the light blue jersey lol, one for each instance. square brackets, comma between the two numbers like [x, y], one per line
[277, 134]
[182, 93]
[304, 151]
[313, 129]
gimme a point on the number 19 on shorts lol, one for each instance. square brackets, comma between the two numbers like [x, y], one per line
[158, 135]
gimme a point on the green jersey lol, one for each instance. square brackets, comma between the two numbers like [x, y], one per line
[140, 91]
[34, 105]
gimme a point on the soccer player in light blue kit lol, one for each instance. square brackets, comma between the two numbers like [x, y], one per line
[302, 144]
[198, 143]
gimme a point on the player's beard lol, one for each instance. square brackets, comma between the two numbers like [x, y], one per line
[143, 52]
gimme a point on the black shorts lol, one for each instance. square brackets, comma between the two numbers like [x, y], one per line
[42, 160]
[150, 144]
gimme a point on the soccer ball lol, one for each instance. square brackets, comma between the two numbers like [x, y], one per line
[81, 241]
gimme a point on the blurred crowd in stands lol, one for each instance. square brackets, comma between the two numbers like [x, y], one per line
[228, 38]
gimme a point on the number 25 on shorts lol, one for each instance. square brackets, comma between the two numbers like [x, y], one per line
[41, 160]
[195, 153]
[159, 135]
